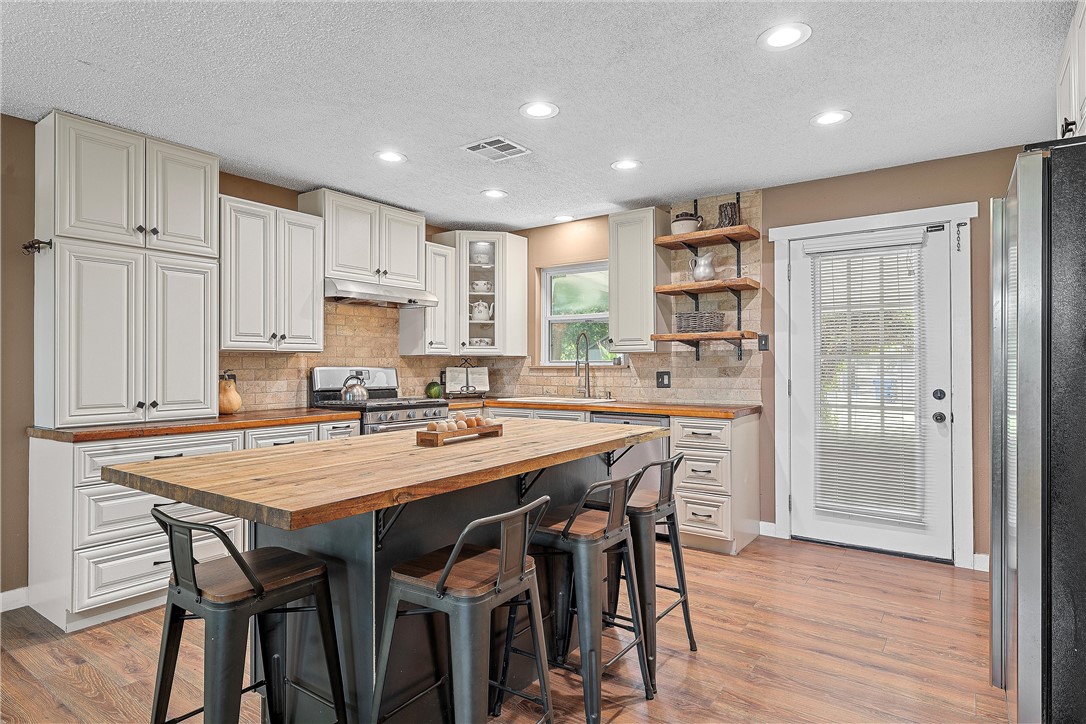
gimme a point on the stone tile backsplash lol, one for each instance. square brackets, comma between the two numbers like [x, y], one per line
[368, 334]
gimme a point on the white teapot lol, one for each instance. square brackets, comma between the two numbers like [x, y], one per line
[481, 311]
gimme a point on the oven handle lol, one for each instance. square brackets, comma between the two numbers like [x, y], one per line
[393, 427]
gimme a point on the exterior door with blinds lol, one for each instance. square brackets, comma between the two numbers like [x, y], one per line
[870, 403]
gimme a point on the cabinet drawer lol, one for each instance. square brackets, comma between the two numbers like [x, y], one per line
[115, 572]
[705, 514]
[694, 432]
[92, 457]
[473, 412]
[560, 415]
[509, 412]
[273, 436]
[107, 513]
[710, 471]
[333, 430]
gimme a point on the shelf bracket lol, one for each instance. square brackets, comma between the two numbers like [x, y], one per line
[695, 345]
[525, 483]
[696, 298]
[690, 248]
[738, 308]
[609, 458]
[386, 518]
[738, 257]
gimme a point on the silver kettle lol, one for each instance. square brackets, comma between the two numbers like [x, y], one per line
[353, 391]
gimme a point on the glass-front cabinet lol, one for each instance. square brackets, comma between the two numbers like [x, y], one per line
[492, 304]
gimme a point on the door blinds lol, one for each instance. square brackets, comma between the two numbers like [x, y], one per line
[869, 373]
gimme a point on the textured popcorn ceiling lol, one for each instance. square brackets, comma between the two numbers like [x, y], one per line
[303, 94]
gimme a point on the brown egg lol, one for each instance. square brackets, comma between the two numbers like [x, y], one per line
[471, 422]
[461, 425]
[431, 426]
[479, 421]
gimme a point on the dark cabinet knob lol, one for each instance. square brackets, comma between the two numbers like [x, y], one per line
[141, 228]
[273, 336]
[154, 404]
[154, 230]
[939, 417]
[1067, 127]
[140, 405]
[377, 272]
[463, 344]
[429, 344]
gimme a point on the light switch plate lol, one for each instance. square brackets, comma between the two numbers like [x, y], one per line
[663, 378]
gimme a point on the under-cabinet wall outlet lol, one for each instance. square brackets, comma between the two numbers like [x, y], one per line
[663, 378]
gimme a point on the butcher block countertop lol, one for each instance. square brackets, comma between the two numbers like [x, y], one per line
[296, 486]
[676, 409]
[237, 421]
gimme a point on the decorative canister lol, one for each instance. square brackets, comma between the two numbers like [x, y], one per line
[229, 399]
[685, 223]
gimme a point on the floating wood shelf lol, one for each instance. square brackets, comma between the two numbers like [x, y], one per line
[739, 284]
[694, 339]
[709, 237]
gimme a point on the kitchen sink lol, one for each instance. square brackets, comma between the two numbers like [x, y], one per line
[562, 400]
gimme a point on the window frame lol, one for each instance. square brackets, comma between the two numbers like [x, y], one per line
[546, 318]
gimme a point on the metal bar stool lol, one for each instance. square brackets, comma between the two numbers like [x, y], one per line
[645, 509]
[226, 593]
[468, 582]
[585, 536]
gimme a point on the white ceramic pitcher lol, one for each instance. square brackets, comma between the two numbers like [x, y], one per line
[702, 266]
[480, 311]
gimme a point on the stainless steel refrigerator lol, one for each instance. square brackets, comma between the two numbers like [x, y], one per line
[1038, 555]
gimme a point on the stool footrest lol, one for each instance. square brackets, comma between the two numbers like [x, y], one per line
[194, 712]
[673, 589]
[309, 692]
[413, 699]
[623, 652]
[515, 692]
[670, 608]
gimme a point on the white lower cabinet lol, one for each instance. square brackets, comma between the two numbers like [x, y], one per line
[534, 414]
[276, 436]
[500, 412]
[335, 430]
[716, 486]
[95, 553]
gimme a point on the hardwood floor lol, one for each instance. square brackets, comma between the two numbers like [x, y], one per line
[787, 631]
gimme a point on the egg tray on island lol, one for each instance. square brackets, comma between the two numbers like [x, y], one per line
[460, 422]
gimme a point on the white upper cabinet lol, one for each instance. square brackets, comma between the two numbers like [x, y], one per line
[299, 250]
[491, 292]
[635, 267]
[402, 236]
[272, 278]
[433, 330]
[99, 183]
[99, 179]
[183, 350]
[1071, 79]
[182, 199]
[368, 242]
[98, 333]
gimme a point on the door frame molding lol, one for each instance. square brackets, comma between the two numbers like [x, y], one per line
[959, 217]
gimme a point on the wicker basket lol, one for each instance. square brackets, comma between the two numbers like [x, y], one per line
[693, 322]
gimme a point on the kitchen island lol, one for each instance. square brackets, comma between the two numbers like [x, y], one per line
[365, 504]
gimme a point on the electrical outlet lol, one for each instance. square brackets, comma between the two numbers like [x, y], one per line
[663, 378]
[763, 342]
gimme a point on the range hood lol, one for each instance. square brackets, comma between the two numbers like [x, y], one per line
[353, 292]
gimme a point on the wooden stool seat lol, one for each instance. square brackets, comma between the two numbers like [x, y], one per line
[221, 581]
[643, 501]
[473, 574]
[589, 525]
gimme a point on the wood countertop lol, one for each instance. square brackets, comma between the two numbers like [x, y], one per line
[296, 486]
[237, 421]
[720, 412]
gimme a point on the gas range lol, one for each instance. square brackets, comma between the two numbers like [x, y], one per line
[385, 410]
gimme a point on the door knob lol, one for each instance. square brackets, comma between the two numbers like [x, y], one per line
[939, 417]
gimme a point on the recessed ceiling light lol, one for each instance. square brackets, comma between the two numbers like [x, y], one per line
[563, 217]
[390, 156]
[495, 194]
[785, 36]
[539, 110]
[626, 164]
[830, 118]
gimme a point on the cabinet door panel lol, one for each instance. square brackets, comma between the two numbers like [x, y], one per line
[99, 182]
[300, 271]
[100, 344]
[352, 250]
[248, 275]
[482, 260]
[402, 236]
[183, 352]
[441, 280]
[182, 194]
[631, 264]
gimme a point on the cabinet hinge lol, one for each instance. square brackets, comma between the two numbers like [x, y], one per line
[789, 502]
[789, 388]
[789, 271]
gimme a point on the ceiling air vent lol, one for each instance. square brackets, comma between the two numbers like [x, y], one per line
[497, 149]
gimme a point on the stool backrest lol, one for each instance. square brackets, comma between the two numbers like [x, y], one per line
[179, 535]
[667, 476]
[517, 529]
[618, 494]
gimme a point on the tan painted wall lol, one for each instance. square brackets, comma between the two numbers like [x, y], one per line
[975, 177]
[17, 361]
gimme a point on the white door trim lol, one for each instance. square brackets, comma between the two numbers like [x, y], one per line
[958, 216]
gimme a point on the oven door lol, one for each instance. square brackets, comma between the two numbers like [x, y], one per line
[373, 428]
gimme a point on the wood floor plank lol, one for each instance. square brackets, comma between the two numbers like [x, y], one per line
[787, 631]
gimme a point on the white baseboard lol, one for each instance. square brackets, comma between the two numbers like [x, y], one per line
[15, 598]
[769, 530]
[980, 562]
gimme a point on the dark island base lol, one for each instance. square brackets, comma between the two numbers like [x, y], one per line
[359, 579]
